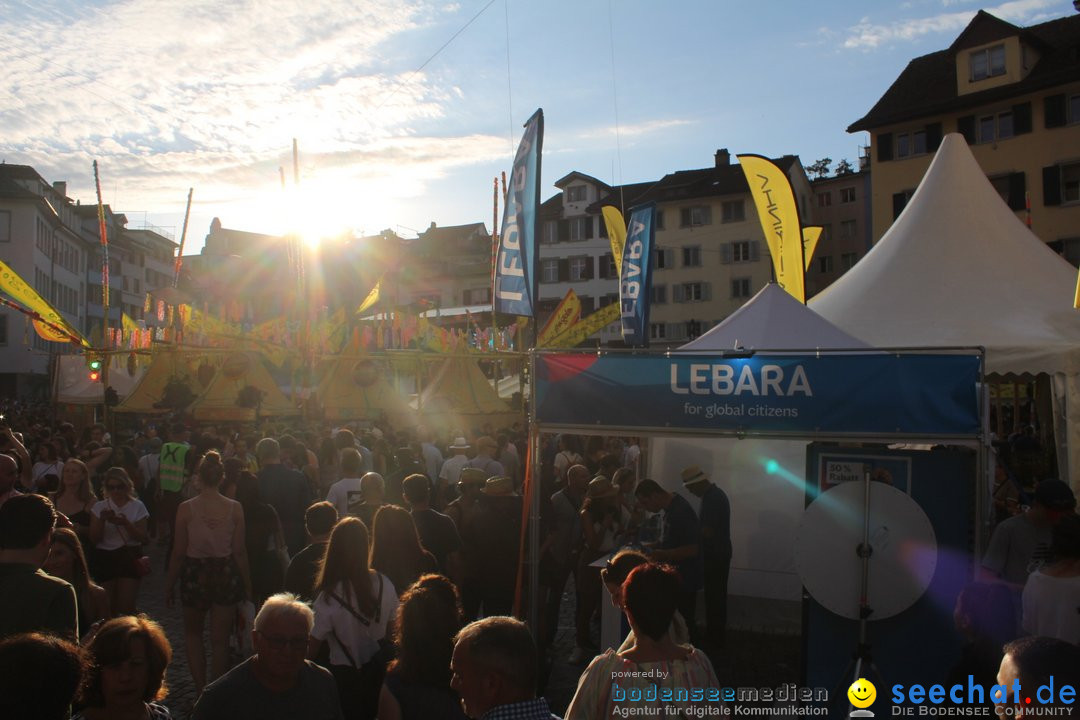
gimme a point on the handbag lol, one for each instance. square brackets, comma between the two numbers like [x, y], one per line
[140, 564]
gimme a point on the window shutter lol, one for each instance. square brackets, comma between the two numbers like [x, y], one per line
[884, 147]
[726, 252]
[933, 137]
[564, 230]
[678, 293]
[966, 127]
[1021, 118]
[1054, 111]
[684, 217]
[1051, 185]
[589, 274]
[1017, 188]
[706, 291]
[898, 202]
[603, 226]
[706, 215]
[603, 268]
[755, 250]
[564, 269]
[588, 228]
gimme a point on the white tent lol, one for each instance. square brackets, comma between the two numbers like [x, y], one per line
[958, 268]
[774, 320]
[73, 383]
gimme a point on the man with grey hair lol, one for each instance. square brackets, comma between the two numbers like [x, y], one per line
[287, 491]
[277, 682]
[494, 670]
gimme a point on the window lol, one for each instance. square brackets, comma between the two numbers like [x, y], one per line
[740, 251]
[824, 199]
[913, 143]
[579, 268]
[659, 219]
[609, 299]
[903, 145]
[658, 294]
[609, 265]
[1070, 183]
[692, 292]
[665, 259]
[1061, 184]
[695, 216]
[740, 288]
[580, 228]
[1068, 248]
[1074, 110]
[550, 234]
[3, 329]
[575, 193]
[847, 195]
[549, 271]
[995, 127]
[825, 264]
[657, 331]
[900, 201]
[847, 260]
[847, 229]
[691, 256]
[733, 211]
[988, 63]
[5, 226]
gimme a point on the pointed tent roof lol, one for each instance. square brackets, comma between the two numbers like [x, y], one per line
[353, 389]
[773, 320]
[958, 268]
[459, 389]
[238, 370]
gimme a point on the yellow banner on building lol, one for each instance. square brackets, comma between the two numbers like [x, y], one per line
[779, 216]
[371, 299]
[565, 316]
[19, 291]
[616, 230]
[586, 327]
[810, 236]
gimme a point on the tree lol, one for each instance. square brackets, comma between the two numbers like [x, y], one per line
[844, 167]
[819, 169]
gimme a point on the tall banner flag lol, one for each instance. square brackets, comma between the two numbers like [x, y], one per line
[371, 299]
[55, 328]
[519, 253]
[779, 216]
[616, 230]
[588, 325]
[810, 236]
[565, 316]
[635, 280]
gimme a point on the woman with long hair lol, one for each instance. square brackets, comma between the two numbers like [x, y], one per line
[127, 658]
[75, 498]
[264, 539]
[417, 684]
[118, 531]
[210, 558]
[48, 463]
[395, 548]
[353, 608]
[67, 561]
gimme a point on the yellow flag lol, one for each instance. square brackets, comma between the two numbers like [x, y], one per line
[810, 236]
[566, 315]
[616, 230]
[1076, 298]
[586, 327]
[14, 286]
[779, 216]
[371, 299]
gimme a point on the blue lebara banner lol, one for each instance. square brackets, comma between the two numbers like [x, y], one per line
[518, 253]
[893, 394]
[635, 282]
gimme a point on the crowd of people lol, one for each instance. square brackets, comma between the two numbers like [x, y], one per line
[374, 573]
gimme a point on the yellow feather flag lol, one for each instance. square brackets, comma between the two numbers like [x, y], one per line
[586, 327]
[371, 299]
[1076, 298]
[810, 236]
[779, 216]
[17, 288]
[565, 316]
[616, 230]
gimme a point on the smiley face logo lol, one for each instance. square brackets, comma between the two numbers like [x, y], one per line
[862, 693]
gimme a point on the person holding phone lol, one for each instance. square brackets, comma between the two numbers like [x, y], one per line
[118, 531]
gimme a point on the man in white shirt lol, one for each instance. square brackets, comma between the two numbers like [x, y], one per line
[346, 491]
[446, 486]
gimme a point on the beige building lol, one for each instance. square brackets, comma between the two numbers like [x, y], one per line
[842, 209]
[1014, 93]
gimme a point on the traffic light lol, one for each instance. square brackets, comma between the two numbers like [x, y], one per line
[94, 365]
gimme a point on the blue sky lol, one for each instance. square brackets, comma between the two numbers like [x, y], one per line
[396, 133]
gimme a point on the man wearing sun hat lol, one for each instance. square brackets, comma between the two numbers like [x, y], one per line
[463, 512]
[715, 520]
[497, 525]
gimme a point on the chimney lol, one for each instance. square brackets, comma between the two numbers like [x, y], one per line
[60, 186]
[723, 157]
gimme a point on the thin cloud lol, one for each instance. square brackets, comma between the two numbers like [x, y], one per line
[635, 130]
[867, 35]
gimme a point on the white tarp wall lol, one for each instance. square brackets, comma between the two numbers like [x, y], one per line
[73, 384]
[764, 588]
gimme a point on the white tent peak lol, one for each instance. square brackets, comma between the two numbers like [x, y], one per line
[774, 320]
[958, 268]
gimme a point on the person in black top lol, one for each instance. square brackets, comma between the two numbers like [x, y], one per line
[715, 550]
[287, 491]
[319, 520]
[438, 534]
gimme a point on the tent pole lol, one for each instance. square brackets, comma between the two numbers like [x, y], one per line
[534, 508]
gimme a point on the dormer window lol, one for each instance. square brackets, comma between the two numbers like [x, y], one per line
[987, 63]
[575, 193]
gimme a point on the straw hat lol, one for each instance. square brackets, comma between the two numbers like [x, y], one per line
[499, 485]
[460, 443]
[693, 475]
[600, 487]
[472, 476]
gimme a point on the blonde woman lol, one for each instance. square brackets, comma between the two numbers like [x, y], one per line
[118, 531]
[75, 498]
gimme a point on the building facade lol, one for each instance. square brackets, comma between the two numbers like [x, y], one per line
[1014, 93]
[841, 206]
